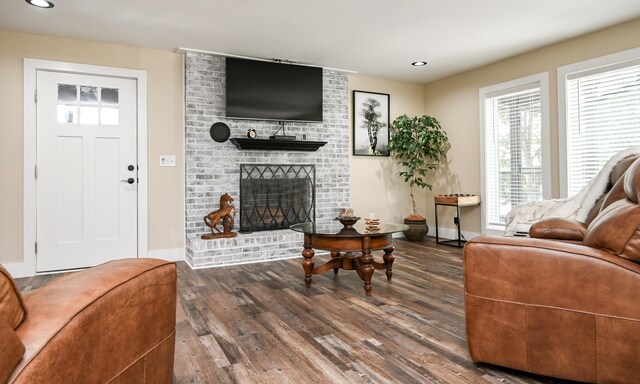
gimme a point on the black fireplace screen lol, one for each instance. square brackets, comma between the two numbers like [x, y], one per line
[276, 196]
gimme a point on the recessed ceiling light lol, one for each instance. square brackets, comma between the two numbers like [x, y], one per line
[40, 3]
[419, 63]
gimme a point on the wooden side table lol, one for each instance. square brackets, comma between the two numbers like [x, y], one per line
[454, 201]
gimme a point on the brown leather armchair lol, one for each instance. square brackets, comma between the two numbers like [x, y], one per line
[114, 323]
[563, 304]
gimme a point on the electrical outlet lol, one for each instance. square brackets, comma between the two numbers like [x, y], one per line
[167, 160]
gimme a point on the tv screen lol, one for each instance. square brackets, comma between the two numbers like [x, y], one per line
[262, 90]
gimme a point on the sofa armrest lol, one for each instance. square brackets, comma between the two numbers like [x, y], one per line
[552, 308]
[11, 351]
[93, 325]
[551, 273]
[558, 228]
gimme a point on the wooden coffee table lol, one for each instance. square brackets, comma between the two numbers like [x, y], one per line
[350, 247]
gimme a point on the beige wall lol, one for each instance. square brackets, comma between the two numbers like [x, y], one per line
[165, 129]
[375, 186]
[455, 102]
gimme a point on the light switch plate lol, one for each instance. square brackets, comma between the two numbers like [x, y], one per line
[167, 160]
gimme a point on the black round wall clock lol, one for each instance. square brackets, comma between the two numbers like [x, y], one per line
[219, 132]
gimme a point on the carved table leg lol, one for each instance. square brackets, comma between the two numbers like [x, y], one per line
[307, 263]
[335, 254]
[388, 260]
[365, 264]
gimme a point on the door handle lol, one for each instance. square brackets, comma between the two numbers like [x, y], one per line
[130, 180]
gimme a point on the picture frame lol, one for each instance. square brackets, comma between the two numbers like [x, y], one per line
[370, 123]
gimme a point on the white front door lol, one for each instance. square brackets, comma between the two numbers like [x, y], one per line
[86, 170]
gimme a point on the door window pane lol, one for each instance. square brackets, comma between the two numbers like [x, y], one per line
[67, 114]
[88, 115]
[109, 116]
[67, 94]
[109, 97]
[88, 95]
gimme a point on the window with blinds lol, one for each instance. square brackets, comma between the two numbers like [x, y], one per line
[513, 148]
[602, 118]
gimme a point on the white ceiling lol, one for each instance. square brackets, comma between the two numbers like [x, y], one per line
[373, 37]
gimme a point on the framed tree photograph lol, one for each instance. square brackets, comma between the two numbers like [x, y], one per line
[370, 123]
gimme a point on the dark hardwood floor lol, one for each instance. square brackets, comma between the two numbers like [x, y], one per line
[257, 323]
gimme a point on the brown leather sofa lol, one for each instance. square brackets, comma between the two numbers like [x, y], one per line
[114, 323]
[563, 303]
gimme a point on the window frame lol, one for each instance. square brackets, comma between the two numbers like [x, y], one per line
[572, 71]
[542, 80]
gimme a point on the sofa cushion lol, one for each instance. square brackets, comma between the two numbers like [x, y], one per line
[616, 229]
[632, 182]
[619, 170]
[12, 308]
[613, 193]
[11, 352]
[558, 228]
[616, 193]
[597, 207]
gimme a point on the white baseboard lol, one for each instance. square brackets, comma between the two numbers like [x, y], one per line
[175, 254]
[451, 234]
[444, 234]
[18, 270]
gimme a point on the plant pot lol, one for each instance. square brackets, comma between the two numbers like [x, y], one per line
[417, 229]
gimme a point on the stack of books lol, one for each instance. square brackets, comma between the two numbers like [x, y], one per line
[372, 225]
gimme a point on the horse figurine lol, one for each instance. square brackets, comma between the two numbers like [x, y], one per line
[221, 215]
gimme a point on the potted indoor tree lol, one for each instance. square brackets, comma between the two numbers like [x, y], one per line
[418, 144]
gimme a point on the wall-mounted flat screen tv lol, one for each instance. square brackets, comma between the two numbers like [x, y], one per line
[263, 90]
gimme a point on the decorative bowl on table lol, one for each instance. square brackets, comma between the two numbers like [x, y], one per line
[348, 221]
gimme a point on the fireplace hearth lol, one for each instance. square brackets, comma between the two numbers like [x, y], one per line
[276, 196]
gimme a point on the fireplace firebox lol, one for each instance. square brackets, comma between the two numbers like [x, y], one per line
[276, 196]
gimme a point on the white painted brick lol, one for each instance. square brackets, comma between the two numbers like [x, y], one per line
[213, 168]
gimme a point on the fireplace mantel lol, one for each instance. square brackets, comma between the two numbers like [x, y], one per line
[277, 145]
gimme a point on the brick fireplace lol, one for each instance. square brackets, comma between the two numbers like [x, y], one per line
[214, 168]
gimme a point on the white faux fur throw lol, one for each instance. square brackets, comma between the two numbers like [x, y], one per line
[577, 207]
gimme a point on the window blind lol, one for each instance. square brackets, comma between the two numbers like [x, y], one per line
[603, 118]
[513, 150]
